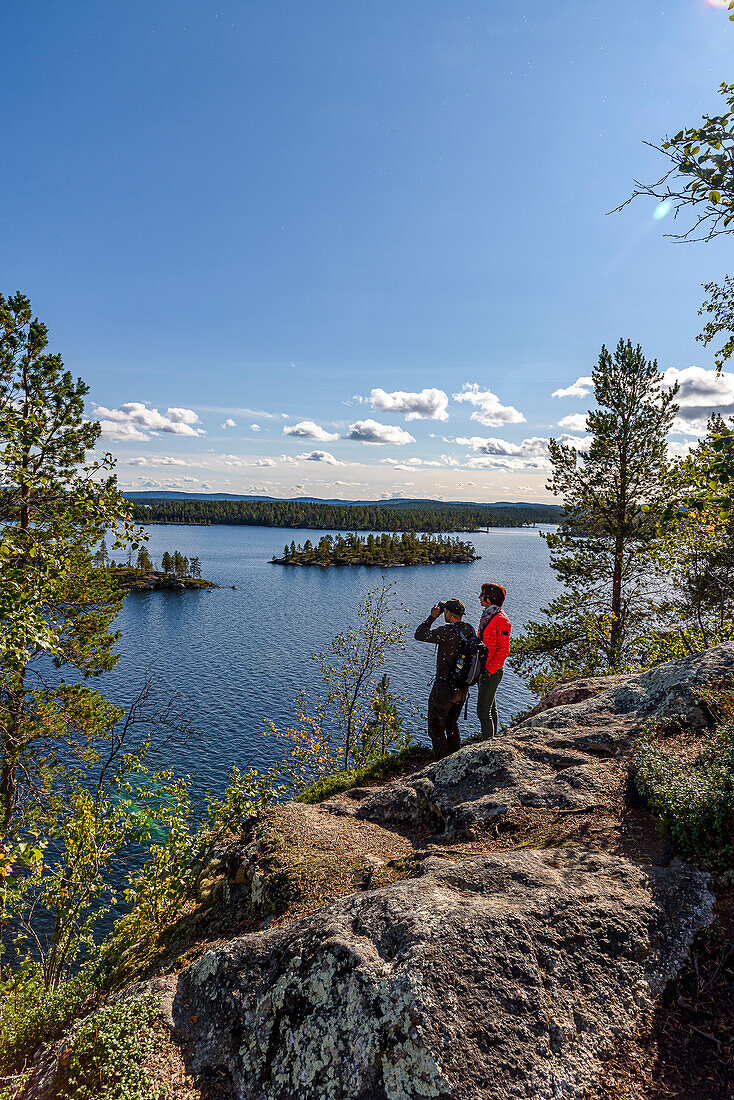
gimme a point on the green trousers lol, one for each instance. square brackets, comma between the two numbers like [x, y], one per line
[487, 703]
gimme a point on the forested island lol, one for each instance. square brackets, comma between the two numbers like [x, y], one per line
[412, 516]
[382, 550]
[139, 574]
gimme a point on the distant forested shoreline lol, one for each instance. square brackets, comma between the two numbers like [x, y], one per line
[432, 516]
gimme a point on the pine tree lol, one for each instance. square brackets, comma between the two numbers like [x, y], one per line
[614, 499]
[58, 503]
[143, 560]
[167, 563]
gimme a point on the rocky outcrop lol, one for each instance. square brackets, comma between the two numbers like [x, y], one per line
[506, 975]
[566, 758]
[453, 970]
[575, 692]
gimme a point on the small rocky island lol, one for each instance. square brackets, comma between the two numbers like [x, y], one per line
[383, 550]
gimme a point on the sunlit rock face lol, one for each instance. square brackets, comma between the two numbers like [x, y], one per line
[565, 758]
[511, 974]
[506, 975]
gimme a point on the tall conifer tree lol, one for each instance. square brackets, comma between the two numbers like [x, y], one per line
[614, 498]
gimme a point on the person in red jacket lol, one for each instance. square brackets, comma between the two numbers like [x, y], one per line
[494, 630]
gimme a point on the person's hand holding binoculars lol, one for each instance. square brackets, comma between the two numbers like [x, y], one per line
[437, 610]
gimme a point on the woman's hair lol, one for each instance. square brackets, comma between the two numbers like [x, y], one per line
[494, 592]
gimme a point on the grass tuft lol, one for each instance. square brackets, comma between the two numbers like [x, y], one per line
[389, 766]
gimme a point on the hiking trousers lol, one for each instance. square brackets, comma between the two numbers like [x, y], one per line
[487, 713]
[444, 708]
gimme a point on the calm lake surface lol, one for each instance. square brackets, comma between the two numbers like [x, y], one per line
[239, 656]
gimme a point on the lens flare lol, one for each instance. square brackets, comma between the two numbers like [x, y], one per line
[662, 209]
[723, 4]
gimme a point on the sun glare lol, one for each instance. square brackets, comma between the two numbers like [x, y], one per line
[718, 3]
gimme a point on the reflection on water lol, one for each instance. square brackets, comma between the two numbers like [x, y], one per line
[240, 655]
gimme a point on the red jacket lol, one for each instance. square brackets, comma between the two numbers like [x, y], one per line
[497, 640]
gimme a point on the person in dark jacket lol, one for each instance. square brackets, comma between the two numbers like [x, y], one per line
[445, 701]
[494, 630]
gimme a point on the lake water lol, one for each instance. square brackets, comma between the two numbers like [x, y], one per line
[240, 655]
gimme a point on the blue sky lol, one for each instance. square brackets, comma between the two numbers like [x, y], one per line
[261, 212]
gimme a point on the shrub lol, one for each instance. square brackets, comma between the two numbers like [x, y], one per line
[32, 1016]
[106, 1059]
[695, 798]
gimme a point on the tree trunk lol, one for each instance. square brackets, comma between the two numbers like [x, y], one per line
[615, 635]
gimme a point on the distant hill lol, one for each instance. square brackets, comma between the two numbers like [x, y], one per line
[393, 502]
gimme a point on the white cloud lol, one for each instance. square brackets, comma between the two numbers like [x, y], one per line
[500, 454]
[429, 404]
[154, 460]
[321, 456]
[411, 462]
[513, 465]
[579, 388]
[229, 423]
[255, 428]
[580, 442]
[678, 449]
[232, 460]
[488, 408]
[134, 420]
[371, 431]
[307, 429]
[535, 447]
[281, 460]
[701, 393]
[574, 422]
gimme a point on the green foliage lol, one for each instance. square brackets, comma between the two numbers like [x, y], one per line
[695, 555]
[157, 894]
[32, 1016]
[719, 306]
[336, 729]
[694, 798]
[106, 1060]
[700, 179]
[616, 498]
[415, 515]
[385, 767]
[382, 550]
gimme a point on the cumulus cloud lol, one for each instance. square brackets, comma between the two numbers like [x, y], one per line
[371, 431]
[411, 462]
[321, 456]
[428, 404]
[308, 429]
[500, 454]
[580, 442]
[154, 460]
[255, 428]
[488, 408]
[702, 392]
[579, 388]
[574, 422]
[136, 421]
[281, 460]
[512, 463]
[535, 447]
[229, 423]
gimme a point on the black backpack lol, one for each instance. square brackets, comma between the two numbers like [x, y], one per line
[471, 662]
